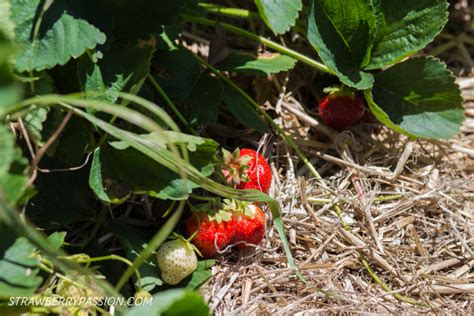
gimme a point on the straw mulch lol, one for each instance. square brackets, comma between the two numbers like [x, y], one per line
[409, 206]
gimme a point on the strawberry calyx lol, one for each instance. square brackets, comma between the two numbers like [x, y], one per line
[237, 207]
[225, 210]
[235, 167]
[187, 242]
[340, 91]
[215, 212]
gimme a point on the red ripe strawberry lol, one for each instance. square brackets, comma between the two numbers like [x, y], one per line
[341, 109]
[213, 232]
[250, 226]
[247, 169]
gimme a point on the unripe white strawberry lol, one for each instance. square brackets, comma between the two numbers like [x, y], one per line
[177, 260]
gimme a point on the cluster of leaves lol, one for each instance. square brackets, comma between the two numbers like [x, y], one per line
[417, 97]
[83, 56]
[366, 47]
[63, 47]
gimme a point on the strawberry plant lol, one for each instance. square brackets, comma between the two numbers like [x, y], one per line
[106, 119]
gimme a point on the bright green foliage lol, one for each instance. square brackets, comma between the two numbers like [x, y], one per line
[419, 98]
[7, 149]
[18, 268]
[6, 25]
[279, 15]
[60, 36]
[404, 27]
[201, 274]
[56, 239]
[10, 91]
[173, 302]
[257, 65]
[12, 167]
[343, 38]
[111, 74]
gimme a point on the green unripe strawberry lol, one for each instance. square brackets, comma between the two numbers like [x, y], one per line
[143, 295]
[177, 260]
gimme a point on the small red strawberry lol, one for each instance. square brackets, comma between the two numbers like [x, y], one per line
[247, 169]
[250, 225]
[212, 231]
[341, 109]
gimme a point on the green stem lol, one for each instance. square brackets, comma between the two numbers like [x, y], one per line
[234, 12]
[117, 258]
[47, 269]
[279, 48]
[169, 209]
[384, 286]
[391, 197]
[170, 104]
[313, 170]
[203, 198]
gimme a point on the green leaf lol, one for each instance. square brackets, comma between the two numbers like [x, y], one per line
[279, 15]
[264, 64]
[37, 115]
[14, 182]
[34, 120]
[201, 274]
[18, 268]
[56, 239]
[418, 98]
[178, 302]
[113, 178]
[167, 38]
[13, 167]
[243, 111]
[404, 27]
[205, 97]
[62, 34]
[178, 70]
[7, 27]
[10, 91]
[111, 75]
[342, 32]
[7, 149]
